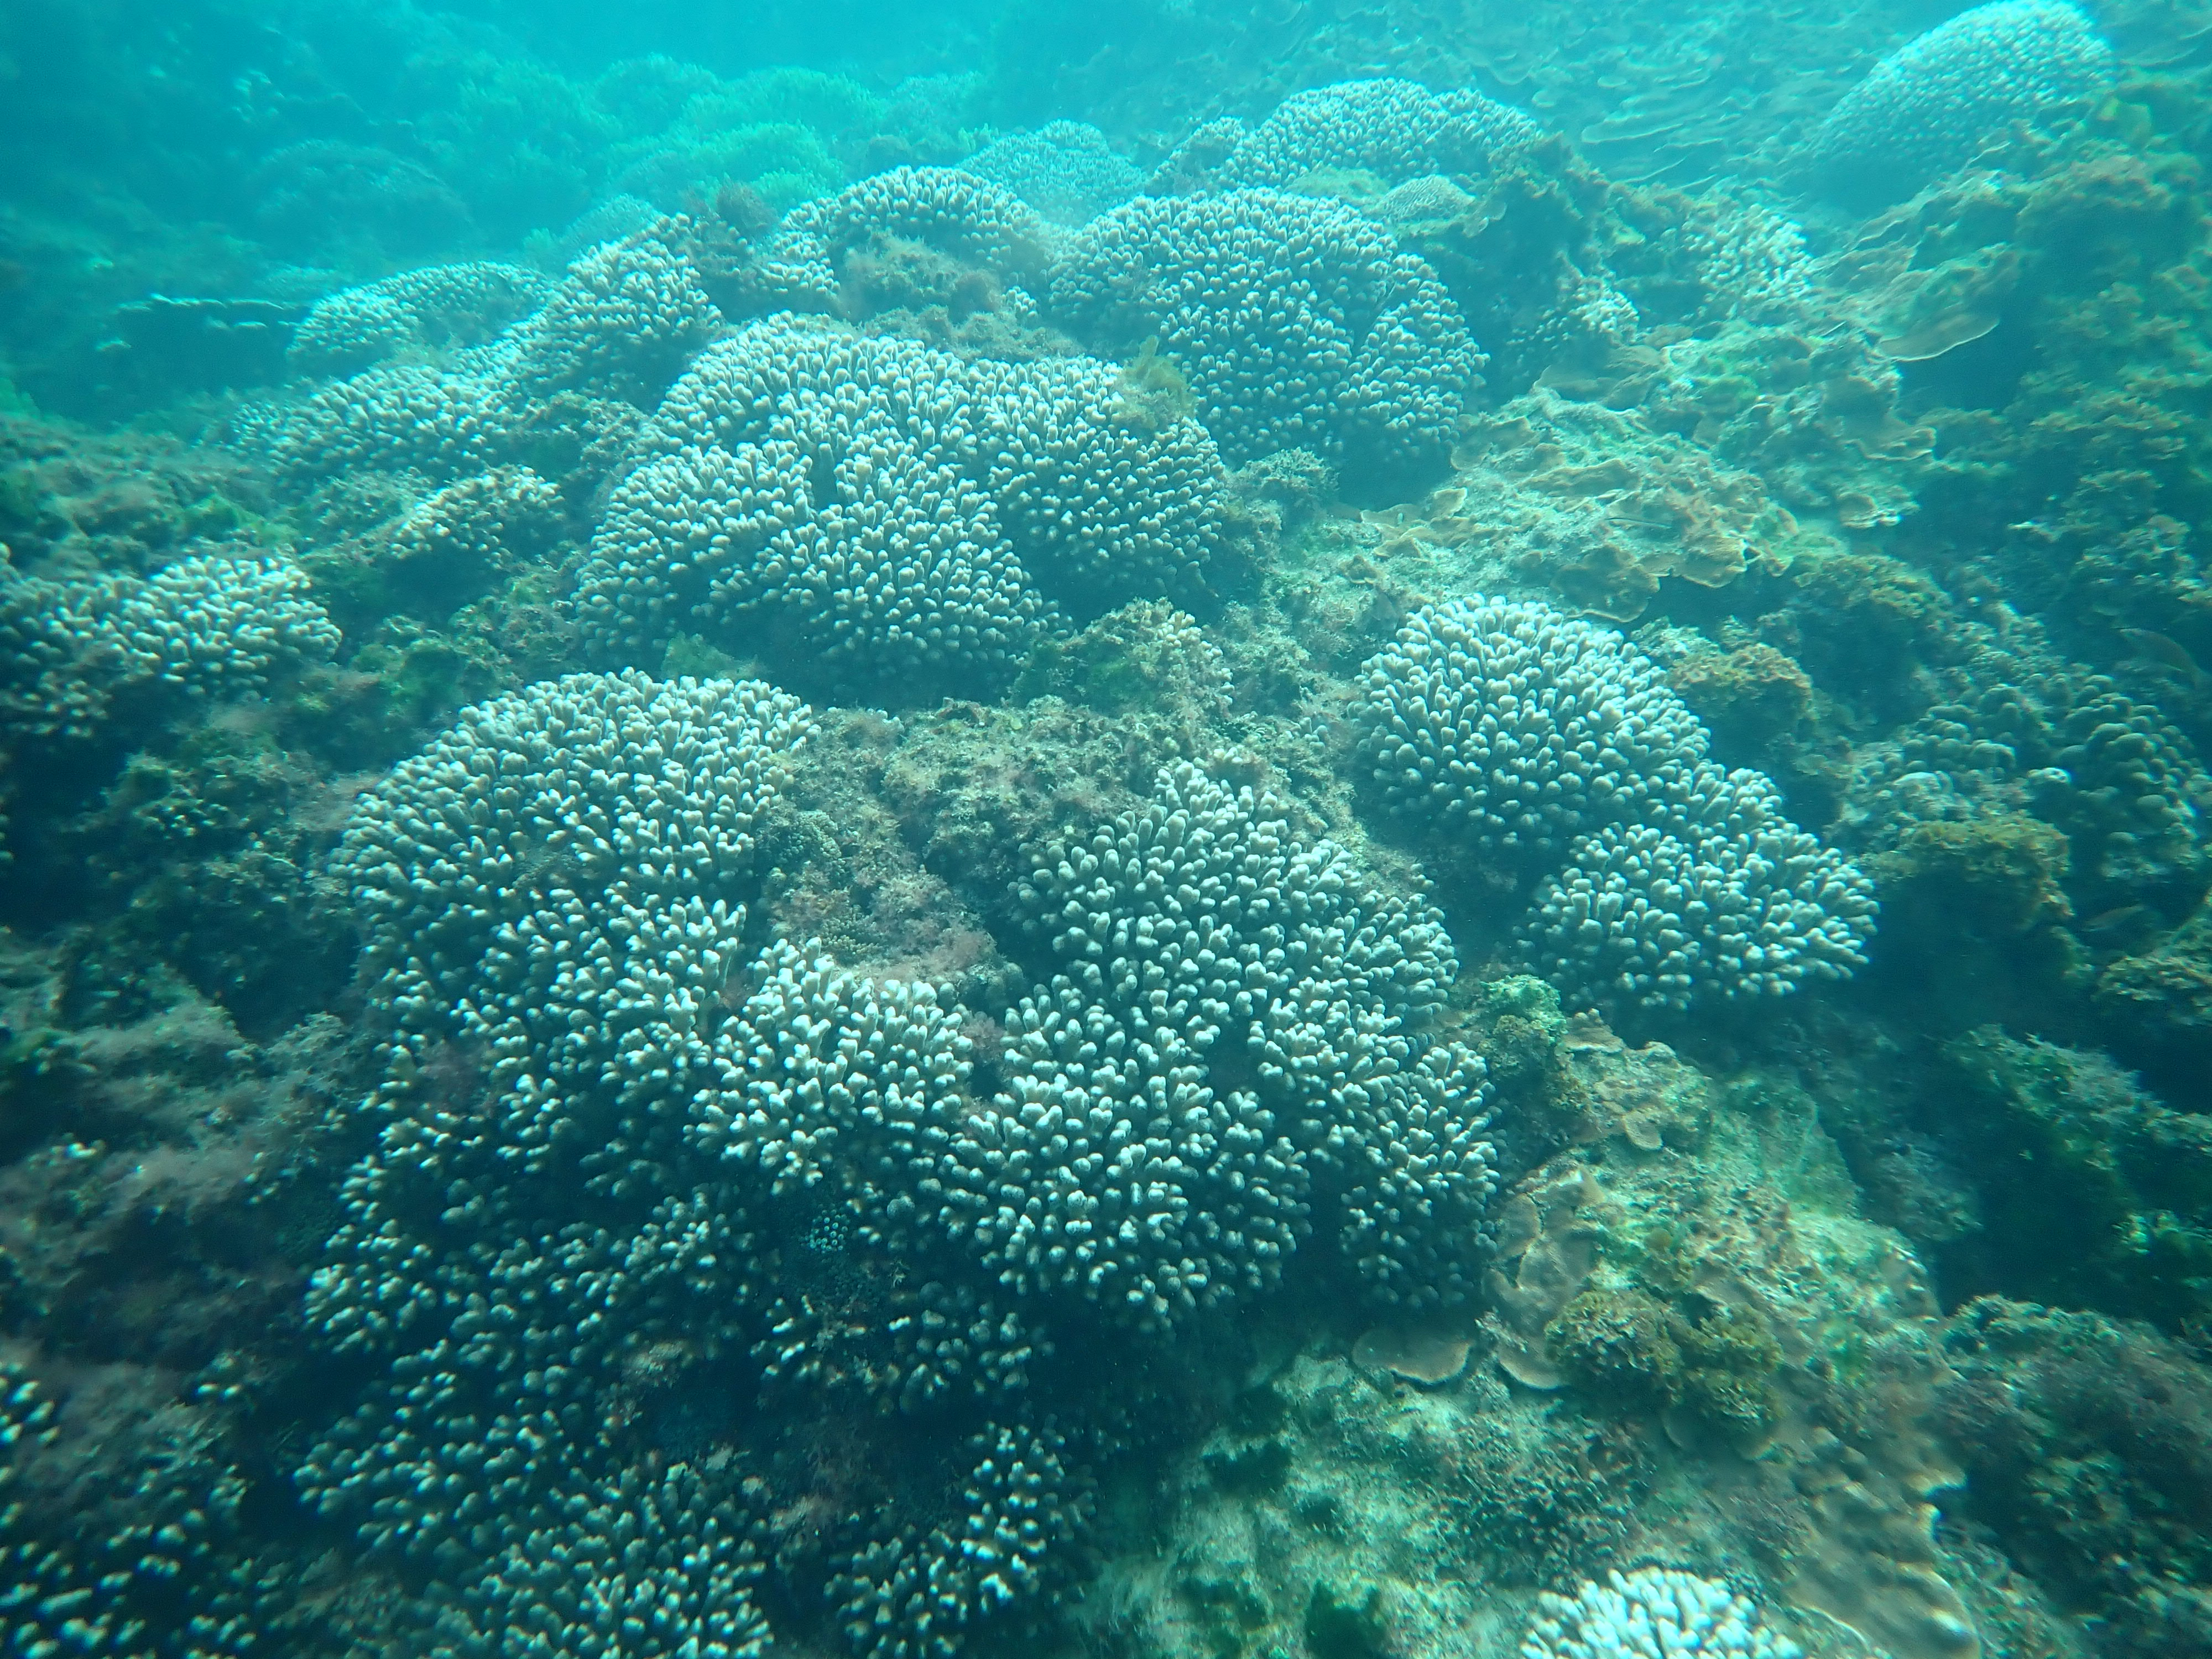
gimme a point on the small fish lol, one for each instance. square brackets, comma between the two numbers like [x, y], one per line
[2166, 652]
[2113, 921]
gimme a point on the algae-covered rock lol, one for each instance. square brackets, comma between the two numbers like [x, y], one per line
[2100, 1195]
[1751, 697]
[1977, 920]
[2160, 1002]
[2088, 1445]
[1619, 1343]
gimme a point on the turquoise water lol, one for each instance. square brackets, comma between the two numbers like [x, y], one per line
[1188, 832]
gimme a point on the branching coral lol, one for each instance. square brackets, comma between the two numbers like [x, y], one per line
[1526, 730]
[1653, 1613]
[973, 222]
[431, 307]
[207, 625]
[619, 324]
[1064, 169]
[615, 1143]
[878, 514]
[1298, 323]
[554, 892]
[1201, 943]
[622, 321]
[1396, 130]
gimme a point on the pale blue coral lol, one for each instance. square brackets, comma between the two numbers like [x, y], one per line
[1519, 727]
[1931, 105]
[208, 625]
[1667, 879]
[608, 1129]
[1653, 1613]
[620, 323]
[1200, 932]
[966, 217]
[589, 1146]
[897, 514]
[1395, 129]
[1065, 170]
[1299, 323]
[554, 898]
[916, 1595]
[430, 307]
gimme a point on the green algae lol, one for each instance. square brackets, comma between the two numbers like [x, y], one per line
[1636, 1351]
[1154, 390]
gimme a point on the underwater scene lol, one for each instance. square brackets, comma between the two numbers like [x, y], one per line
[1182, 829]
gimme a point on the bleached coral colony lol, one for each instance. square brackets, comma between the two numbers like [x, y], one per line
[1653, 1613]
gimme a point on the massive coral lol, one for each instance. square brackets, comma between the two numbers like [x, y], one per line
[1931, 104]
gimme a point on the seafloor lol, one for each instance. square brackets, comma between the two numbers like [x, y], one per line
[1178, 830]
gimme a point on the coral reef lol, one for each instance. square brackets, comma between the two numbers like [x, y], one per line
[621, 322]
[557, 896]
[1010, 1157]
[490, 1009]
[614, 330]
[911, 1597]
[391, 416]
[1336, 1500]
[2160, 1000]
[116, 1578]
[1602, 510]
[2111, 772]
